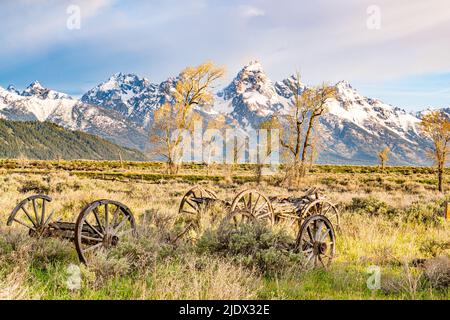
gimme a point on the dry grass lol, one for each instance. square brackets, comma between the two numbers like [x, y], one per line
[153, 268]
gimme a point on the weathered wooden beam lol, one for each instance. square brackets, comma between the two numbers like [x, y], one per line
[447, 211]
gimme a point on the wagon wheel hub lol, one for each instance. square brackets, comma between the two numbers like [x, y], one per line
[40, 231]
[319, 247]
[110, 240]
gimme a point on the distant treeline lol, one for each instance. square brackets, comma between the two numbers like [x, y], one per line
[48, 141]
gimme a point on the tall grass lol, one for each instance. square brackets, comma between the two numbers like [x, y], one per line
[393, 221]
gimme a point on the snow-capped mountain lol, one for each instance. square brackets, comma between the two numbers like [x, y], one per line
[357, 127]
[121, 109]
[37, 103]
[133, 97]
[250, 96]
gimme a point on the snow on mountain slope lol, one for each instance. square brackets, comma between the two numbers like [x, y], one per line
[37, 103]
[251, 95]
[121, 109]
[353, 131]
[134, 97]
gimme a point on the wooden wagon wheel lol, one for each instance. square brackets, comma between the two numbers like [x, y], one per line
[102, 224]
[32, 214]
[196, 201]
[325, 208]
[255, 203]
[316, 241]
[193, 206]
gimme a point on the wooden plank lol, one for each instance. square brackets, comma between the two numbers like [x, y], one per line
[447, 211]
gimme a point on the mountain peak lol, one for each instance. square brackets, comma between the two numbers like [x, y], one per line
[35, 89]
[344, 84]
[286, 87]
[124, 82]
[12, 88]
[253, 66]
[36, 85]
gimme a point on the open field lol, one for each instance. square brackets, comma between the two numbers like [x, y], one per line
[388, 220]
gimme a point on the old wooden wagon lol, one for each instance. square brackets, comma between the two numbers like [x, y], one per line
[312, 218]
[101, 224]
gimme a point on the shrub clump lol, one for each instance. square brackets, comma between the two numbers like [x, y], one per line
[437, 272]
[371, 206]
[255, 246]
[421, 212]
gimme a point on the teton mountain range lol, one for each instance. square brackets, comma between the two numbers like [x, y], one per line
[121, 109]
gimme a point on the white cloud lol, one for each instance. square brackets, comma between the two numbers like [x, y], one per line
[251, 11]
[34, 25]
[325, 39]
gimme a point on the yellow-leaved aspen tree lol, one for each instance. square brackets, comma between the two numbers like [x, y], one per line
[176, 118]
[383, 156]
[436, 126]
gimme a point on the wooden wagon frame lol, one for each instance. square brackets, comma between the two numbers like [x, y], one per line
[313, 218]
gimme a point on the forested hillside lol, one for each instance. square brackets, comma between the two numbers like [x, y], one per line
[44, 140]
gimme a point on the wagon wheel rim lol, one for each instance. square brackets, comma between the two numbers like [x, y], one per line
[101, 225]
[188, 204]
[325, 208]
[316, 241]
[255, 203]
[192, 209]
[32, 213]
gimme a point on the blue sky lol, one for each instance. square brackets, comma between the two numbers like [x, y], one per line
[404, 62]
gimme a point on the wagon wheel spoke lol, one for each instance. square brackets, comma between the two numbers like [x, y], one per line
[260, 208]
[319, 231]
[95, 246]
[106, 218]
[43, 213]
[95, 211]
[308, 243]
[327, 255]
[327, 232]
[321, 261]
[329, 207]
[115, 216]
[191, 205]
[29, 216]
[308, 229]
[91, 238]
[121, 224]
[189, 211]
[309, 259]
[94, 228]
[24, 224]
[256, 203]
[49, 217]
[35, 209]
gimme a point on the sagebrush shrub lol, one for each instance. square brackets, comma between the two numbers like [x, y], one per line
[255, 246]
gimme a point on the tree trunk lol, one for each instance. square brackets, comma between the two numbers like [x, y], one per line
[440, 178]
[305, 146]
